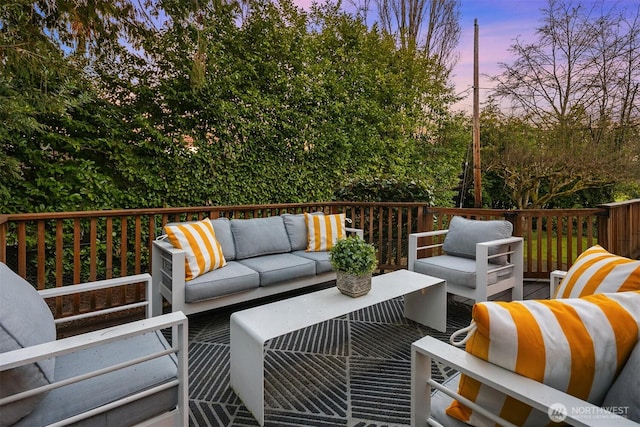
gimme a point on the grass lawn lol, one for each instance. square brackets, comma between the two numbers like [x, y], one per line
[578, 245]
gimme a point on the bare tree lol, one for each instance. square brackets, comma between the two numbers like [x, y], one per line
[443, 32]
[428, 26]
[577, 87]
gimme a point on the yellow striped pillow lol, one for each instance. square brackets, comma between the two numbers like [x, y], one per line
[203, 253]
[597, 271]
[323, 231]
[576, 345]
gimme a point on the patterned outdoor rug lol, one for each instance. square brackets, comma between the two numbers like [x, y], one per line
[354, 370]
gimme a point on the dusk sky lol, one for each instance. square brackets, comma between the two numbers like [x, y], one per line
[500, 22]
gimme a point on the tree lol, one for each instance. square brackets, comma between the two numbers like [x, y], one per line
[215, 102]
[429, 27]
[575, 114]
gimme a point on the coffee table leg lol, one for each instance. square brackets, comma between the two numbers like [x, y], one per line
[247, 367]
[428, 306]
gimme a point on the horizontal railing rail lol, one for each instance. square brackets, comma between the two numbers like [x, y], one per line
[62, 248]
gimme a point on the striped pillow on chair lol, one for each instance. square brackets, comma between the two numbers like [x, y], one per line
[576, 345]
[203, 253]
[598, 271]
[323, 231]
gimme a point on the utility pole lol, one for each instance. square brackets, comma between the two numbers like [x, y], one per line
[477, 172]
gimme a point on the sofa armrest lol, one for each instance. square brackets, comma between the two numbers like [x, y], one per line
[168, 276]
[358, 231]
[555, 277]
[531, 392]
[414, 248]
[176, 321]
[102, 284]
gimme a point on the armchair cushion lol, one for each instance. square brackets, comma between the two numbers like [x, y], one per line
[575, 345]
[598, 271]
[624, 394]
[457, 270]
[440, 401]
[25, 320]
[464, 234]
[103, 389]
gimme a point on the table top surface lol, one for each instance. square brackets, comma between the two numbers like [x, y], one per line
[284, 316]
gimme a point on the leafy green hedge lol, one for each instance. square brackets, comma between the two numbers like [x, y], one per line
[280, 105]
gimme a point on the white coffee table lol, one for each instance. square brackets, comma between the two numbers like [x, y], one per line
[425, 301]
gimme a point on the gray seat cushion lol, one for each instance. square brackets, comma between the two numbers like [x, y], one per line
[25, 320]
[464, 234]
[625, 391]
[79, 397]
[321, 259]
[440, 402]
[457, 270]
[278, 268]
[259, 236]
[233, 277]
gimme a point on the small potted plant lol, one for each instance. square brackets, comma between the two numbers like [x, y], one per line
[354, 260]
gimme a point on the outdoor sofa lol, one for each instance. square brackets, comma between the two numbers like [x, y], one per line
[123, 375]
[262, 257]
[574, 358]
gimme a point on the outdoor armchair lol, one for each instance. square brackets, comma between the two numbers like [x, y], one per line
[122, 375]
[481, 258]
[429, 399]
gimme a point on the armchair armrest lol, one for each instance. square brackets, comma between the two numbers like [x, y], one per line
[514, 248]
[555, 278]
[414, 248]
[526, 390]
[102, 284]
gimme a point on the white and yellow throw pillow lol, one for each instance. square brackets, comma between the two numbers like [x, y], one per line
[323, 231]
[576, 345]
[597, 271]
[203, 253]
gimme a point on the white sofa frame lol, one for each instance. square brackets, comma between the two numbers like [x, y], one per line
[168, 282]
[176, 321]
[482, 290]
[531, 392]
[555, 278]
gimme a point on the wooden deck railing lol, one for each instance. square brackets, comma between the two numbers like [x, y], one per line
[58, 249]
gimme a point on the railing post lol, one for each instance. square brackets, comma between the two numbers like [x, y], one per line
[622, 228]
[604, 232]
[514, 218]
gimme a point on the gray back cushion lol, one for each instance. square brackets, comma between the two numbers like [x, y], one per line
[222, 228]
[625, 391]
[297, 230]
[25, 320]
[464, 234]
[259, 236]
